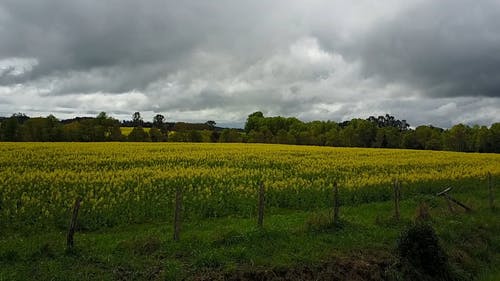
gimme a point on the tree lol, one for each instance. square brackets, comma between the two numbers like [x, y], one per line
[214, 137]
[254, 121]
[409, 140]
[41, 129]
[230, 135]
[10, 128]
[156, 135]
[359, 133]
[495, 137]
[388, 137]
[195, 136]
[137, 119]
[428, 137]
[481, 139]
[71, 131]
[255, 136]
[389, 121]
[115, 134]
[332, 137]
[211, 124]
[456, 138]
[158, 121]
[138, 135]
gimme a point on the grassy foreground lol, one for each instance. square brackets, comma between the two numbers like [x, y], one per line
[293, 245]
[125, 222]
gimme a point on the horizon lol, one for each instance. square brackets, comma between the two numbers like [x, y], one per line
[237, 125]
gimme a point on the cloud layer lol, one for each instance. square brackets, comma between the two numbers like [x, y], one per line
[430, 62]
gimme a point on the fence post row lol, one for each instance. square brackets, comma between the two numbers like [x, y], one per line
[336, 206]
[177, 213]
[72, 225]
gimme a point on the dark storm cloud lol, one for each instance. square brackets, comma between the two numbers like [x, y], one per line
[445, 48]
[221, 60]
[132, 42]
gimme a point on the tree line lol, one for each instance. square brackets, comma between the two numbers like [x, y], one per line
[382, 132]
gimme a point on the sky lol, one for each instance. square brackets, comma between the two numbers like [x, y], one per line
[426, 61]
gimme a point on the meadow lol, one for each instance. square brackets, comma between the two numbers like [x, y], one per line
[123, 183]
[128, 189]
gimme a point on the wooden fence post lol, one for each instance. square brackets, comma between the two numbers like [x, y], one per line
[450, 207]
[397, 195]
[336, 204]
[490, 189]
[72, 225]
[177, 213]
[448, 197]
[261, 205]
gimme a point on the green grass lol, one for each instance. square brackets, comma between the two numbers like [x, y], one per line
[225, 245]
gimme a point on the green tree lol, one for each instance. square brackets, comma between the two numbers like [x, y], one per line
[10, 128]
[284, 137]
[41, 129]
[195, 136]
[495, 137]
[211, 124]
[137, 119]
[230, 135]
[254, 121]
[115, 134]
[481, 138]
[71, 131]
[409, 140]
[255, 136]
[138, 135]
[359, 133]
[388, 137]
[428, 137]
[156, 135]
[457, 138]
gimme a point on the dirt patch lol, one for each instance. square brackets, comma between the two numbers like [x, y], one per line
[356, 268]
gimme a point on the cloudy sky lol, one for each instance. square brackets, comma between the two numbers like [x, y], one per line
[427, 61]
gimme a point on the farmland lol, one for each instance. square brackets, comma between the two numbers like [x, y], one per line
[122, 183]
[128, 189]
[126, 130]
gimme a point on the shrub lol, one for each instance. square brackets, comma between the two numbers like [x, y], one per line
[421, 255]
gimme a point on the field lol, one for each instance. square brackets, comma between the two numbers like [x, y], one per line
[124, 184]
[126, 130]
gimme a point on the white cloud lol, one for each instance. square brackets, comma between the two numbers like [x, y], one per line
[17, 66]
[200, 60]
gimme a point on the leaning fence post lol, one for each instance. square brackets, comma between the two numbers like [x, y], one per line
[177, 213]
[448, 197]
[336, 204]
[490, 189]
[72, 225]
[261, 205]
[397, 195]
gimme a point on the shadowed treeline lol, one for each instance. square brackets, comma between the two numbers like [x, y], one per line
[382, 132]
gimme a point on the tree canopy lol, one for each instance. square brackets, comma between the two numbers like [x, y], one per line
[384, 131]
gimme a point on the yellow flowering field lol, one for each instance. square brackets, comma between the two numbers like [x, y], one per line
[123, 183]
[127, 130]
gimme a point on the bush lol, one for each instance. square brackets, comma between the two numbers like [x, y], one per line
[421, 255]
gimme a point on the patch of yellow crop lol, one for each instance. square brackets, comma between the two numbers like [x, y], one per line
[133, 182]
[126, 130]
